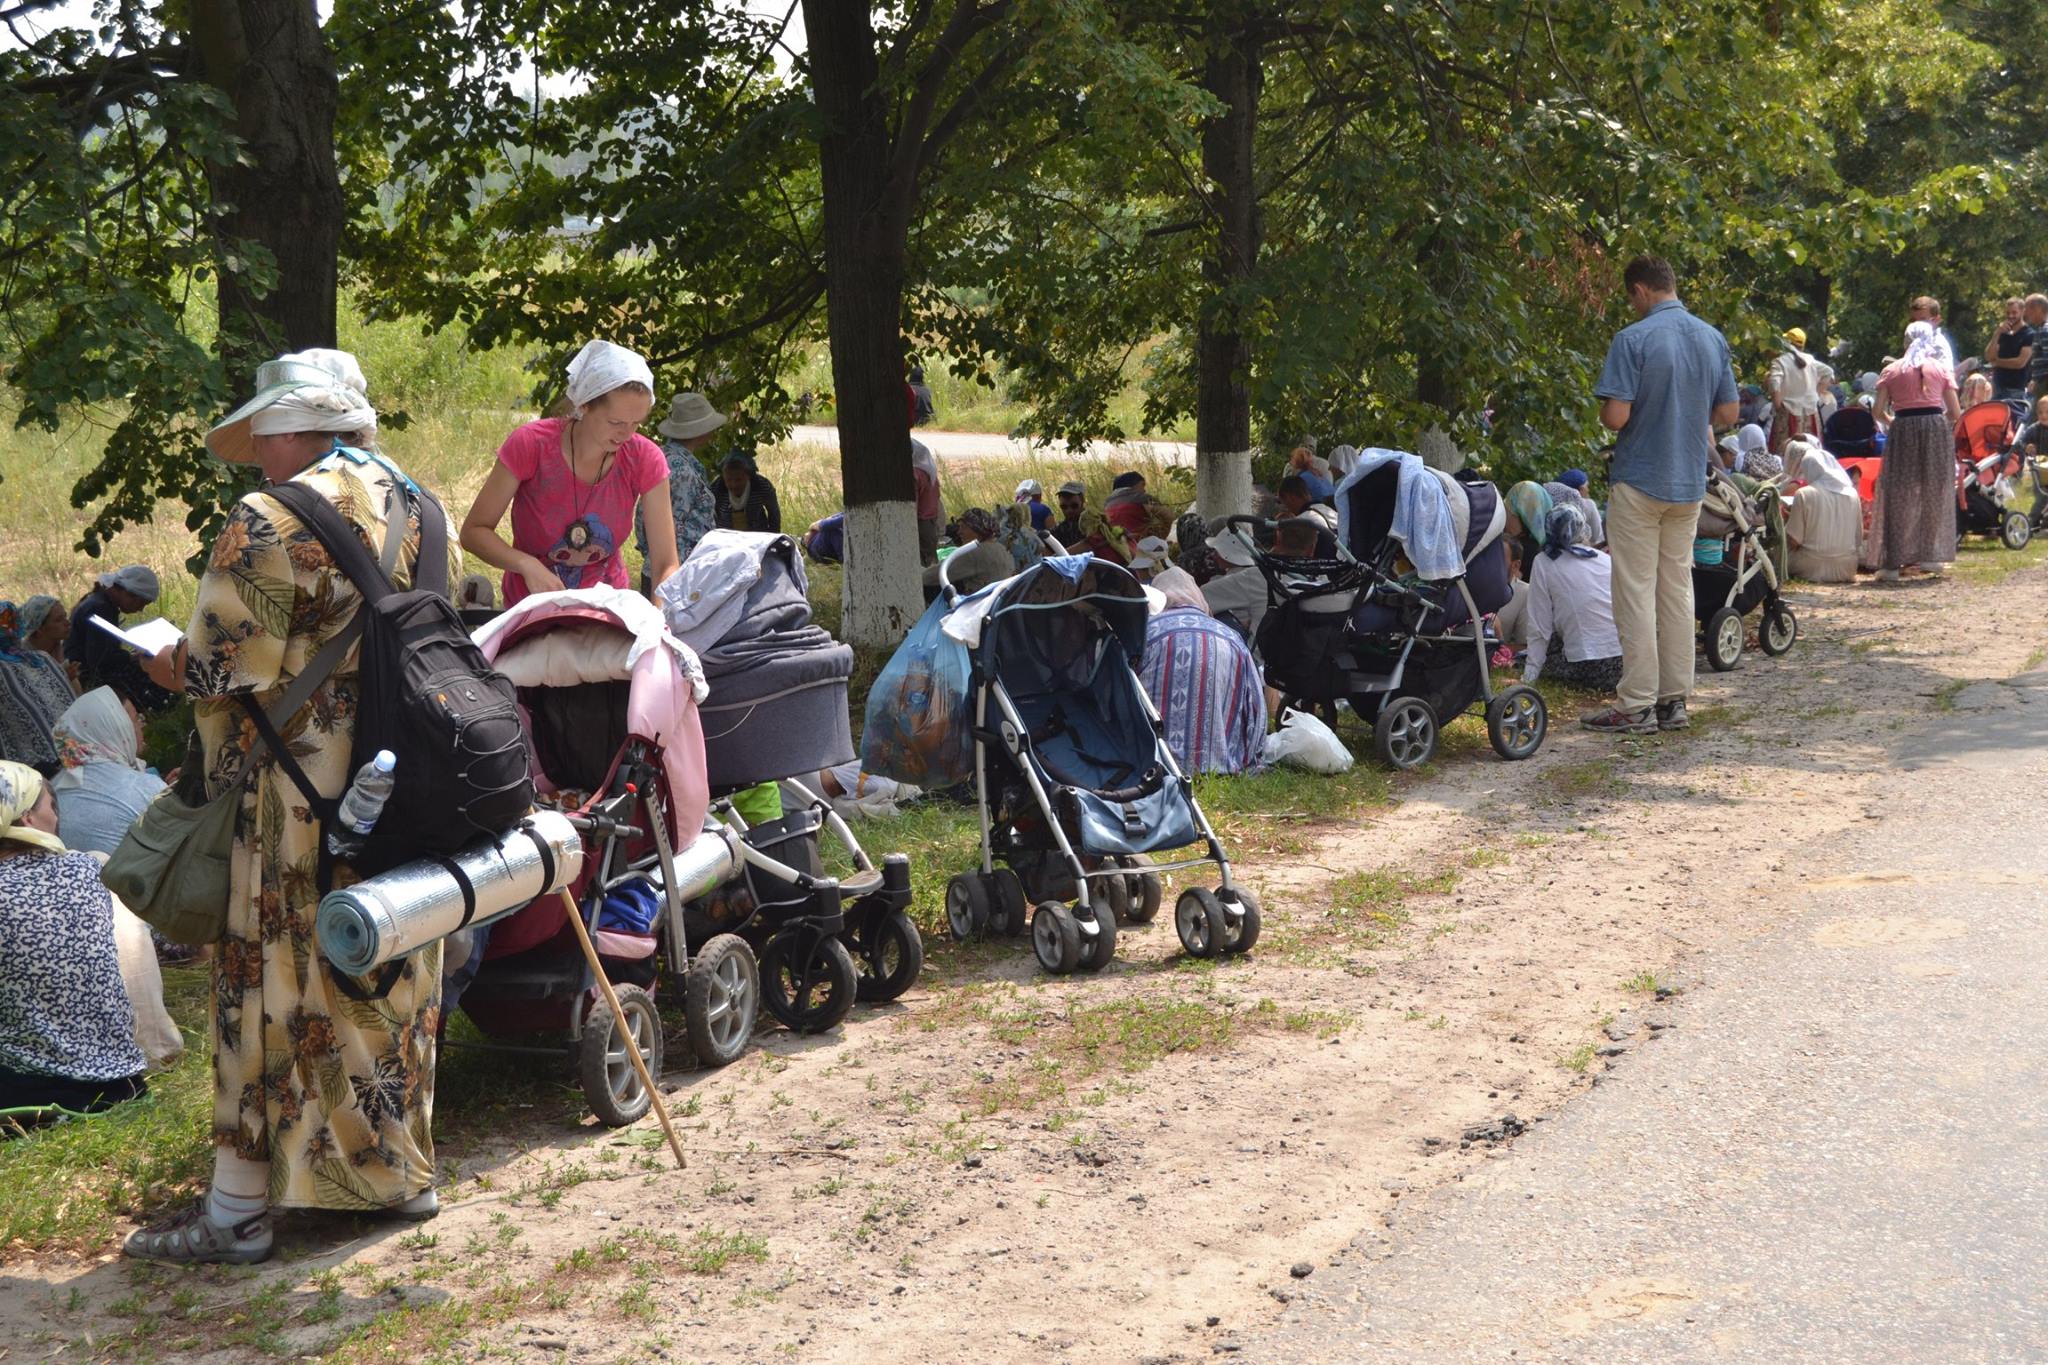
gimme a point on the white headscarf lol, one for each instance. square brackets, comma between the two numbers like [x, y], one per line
[94, 729]
[1177, 586]
[601, 367]
[343, 406]
[1925, 343]
[1820, 469]
[1751, 437]
[1343, 460]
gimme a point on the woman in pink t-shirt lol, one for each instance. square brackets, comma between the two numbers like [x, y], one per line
[1913, 519]
[573, 482]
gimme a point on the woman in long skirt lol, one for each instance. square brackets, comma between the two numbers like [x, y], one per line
[1913, 521]
[320, 1100]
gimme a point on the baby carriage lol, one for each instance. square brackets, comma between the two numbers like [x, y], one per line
[1408, 652]
[1986, 468]
[1724, 594]
[1073, 778]
[777, 713]
[610, 704]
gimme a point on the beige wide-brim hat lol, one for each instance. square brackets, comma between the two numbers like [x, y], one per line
[231, 439]
[690, 415]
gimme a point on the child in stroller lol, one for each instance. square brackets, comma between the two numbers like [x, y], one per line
[1073, 778]
[1408, 651]
[1724, 594]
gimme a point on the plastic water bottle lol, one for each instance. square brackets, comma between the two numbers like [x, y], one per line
[361, 804]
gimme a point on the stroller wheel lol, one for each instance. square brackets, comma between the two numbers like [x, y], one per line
[1240, 931]
[1405, 733]
[1099, 947]
[721, 996]
[2015, 530]
[604, 1069]
[1145, 889]
[1781, 628]
[1006, 903]
[1199, 920]
[967, 906]
[808, 980]
[1516, 721]
[1724, 639]
[891, 956]
[1055, 938]
[1112, 895]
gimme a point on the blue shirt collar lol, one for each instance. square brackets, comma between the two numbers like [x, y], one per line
[1665, 306]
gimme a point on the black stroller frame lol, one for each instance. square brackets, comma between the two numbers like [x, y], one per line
[1723, 594]
[1406, 728]
[822, 943]
[1121, 888]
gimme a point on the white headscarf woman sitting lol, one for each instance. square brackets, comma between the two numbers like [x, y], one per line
[1824, 526]
[104, 787]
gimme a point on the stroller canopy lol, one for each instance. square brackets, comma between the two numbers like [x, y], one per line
[1045, 627]
[1851, 431]
[1438, 522]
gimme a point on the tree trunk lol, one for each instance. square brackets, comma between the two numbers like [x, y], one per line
[271, 60]
[864, 265]
[1234, 74]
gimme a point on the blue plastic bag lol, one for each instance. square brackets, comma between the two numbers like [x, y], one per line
[920, 716]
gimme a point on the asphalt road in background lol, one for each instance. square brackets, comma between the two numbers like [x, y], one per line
[975, 445]
[1834, 1150]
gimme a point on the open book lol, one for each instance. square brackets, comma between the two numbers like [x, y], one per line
[149, 637]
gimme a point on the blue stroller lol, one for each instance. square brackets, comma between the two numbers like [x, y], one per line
[1073, 778]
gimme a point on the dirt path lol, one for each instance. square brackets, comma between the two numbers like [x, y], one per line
[1130, 1166]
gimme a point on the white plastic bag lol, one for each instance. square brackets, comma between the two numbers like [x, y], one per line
[864, 795]
[1302, 741]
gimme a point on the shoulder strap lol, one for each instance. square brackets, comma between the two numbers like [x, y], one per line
[317, 514]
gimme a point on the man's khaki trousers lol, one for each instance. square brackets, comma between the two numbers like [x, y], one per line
[1650, 541]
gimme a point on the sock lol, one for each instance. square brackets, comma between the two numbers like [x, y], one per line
[240, 1187]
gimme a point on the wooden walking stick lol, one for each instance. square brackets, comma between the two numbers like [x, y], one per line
[604, 983]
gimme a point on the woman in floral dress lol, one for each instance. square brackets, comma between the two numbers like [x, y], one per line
[320, 1100]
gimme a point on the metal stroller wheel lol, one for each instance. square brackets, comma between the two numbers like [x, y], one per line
[1146, 891]
[967, 906]
[1055, 938]
[890, 958]
[603, 1067]
[1781, 628]
[2014, 530]
[1241, 931]
[1405, 733]
[1724, 639]
[1516, 721]
[808, 980]
[1007, 905]
[1097, 949]
[1198, 919]
[721, 996]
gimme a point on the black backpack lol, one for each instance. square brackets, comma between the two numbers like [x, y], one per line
[425, 693]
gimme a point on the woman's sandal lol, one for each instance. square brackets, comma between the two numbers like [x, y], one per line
[191, 1238]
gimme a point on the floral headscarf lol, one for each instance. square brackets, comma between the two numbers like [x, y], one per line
[20, 788]
[35, 612]
[1530, 502]
[95, 729]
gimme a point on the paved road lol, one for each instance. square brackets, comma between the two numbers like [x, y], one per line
[1835, 1154]
[975, 445]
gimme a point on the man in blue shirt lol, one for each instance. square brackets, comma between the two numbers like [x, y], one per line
[1666, 385]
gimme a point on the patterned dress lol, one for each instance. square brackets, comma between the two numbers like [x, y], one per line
[336, 1094]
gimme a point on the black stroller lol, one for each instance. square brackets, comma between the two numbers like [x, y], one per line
[1074, 780]
[777, 712]
[1407, 653]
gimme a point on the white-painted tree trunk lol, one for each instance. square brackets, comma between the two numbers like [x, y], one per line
[1439, 451]
[883, 591]
[1223, 483]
